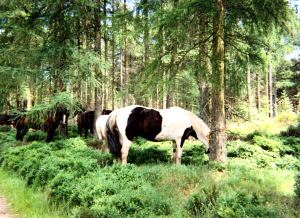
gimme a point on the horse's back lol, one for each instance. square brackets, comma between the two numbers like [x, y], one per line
[175, 121]
[151, 124]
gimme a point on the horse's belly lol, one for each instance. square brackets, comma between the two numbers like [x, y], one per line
[169, 134]
[172, 129]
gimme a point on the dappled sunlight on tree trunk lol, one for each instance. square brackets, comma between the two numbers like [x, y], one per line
[218, 135]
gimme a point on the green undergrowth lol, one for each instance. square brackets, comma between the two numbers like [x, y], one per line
[24, 201]
[258, 181]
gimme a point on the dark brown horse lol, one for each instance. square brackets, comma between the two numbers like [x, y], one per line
[106, 112]
[55, 120]
[6, 119]
[86, 121]
[52, 122]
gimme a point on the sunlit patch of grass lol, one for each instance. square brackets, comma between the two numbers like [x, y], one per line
[268, 126]
[26, 202]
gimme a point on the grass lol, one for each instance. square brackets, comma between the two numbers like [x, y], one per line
[251, 184]
[269, 126]
[26, 202]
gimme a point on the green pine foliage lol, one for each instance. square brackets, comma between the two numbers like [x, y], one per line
[61, 102]
[47, 48]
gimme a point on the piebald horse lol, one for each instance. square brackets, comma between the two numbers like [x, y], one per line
[101, 124]
[101, 127]
[175, 124]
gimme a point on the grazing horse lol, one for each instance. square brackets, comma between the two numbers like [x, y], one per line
[101, 124]
[175, 124]
[85, 120]
[106, 112]
[6, 119]
[101, 127]
[53, 120]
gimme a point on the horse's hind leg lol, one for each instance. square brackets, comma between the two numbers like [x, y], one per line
[86, 132]
[79, 130]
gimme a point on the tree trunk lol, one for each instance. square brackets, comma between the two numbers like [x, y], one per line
[98, 75]
[218, 135]
[146, 33]
[113, 68]
[204, 101]
[203, 73]
[258, 97]
[275, 97]
[270, 89]
[28, 98]
[125, 73]
[267, 90]
[104, 81]
[249, 93]
[122, 77]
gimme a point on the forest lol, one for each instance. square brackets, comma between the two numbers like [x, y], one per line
[227, 61]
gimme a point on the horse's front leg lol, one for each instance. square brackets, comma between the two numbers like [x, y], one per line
[174, 151]
[50, 132]
[177, 151]
[125, 150]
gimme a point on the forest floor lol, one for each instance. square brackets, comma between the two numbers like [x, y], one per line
[4, 209]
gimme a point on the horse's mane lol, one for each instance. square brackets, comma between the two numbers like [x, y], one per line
[201, 129]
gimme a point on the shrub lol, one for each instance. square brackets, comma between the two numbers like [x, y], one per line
[288, 162]
[292, 131]
[5, 128]
[88, 183]
[240, 149]
[268, 143]
[194, 154]
[286, 118]
[285, 105]
[146, 152]
[35, 136]
[73, 131]
[113, 191]
[250, 136]
[199, 204]
[297, 185]
[148, 155]
[62, 186]
[244, 203]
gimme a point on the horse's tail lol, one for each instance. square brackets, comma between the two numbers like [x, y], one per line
[201, 129]
[112, 134]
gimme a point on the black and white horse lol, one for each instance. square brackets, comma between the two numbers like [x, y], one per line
[101, 127]
[175, 124]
